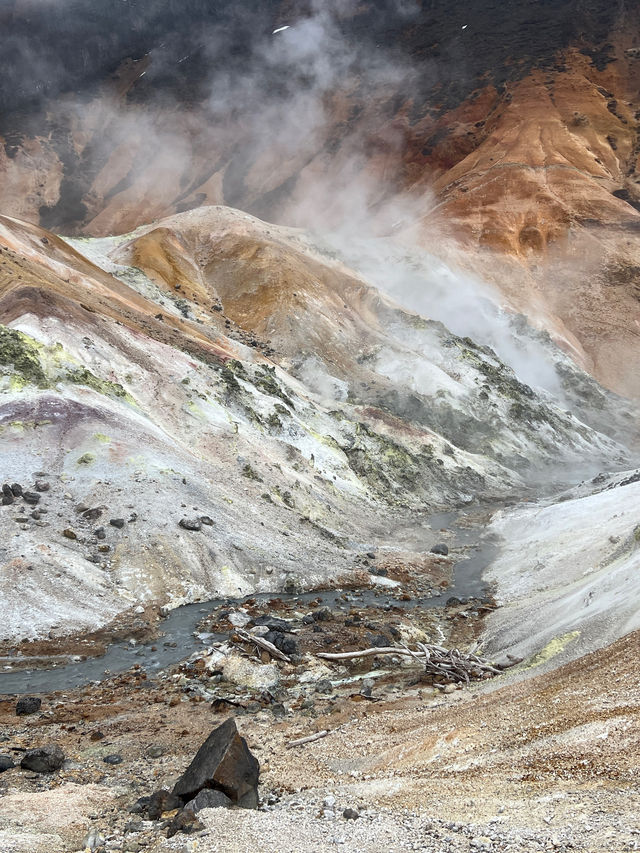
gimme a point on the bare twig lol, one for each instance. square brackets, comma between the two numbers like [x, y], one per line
[308, 739]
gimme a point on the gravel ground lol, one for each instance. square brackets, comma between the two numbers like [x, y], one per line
[544, 764]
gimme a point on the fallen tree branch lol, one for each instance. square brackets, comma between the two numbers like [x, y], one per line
[263, 644]
[452, 665]
[308, 739]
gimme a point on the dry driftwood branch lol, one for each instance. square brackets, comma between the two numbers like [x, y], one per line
[449, 664]
[308, 739]
[263, 644]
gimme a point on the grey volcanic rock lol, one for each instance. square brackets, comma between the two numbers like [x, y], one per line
[190, 523]
[43, 759]
[209, 799]
[28, 705]
[441, 549]
[6, 763]
[223, 762]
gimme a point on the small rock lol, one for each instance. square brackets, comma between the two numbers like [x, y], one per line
[44, 759]
[205, 519]
[323, 614]
[6, 763]
[16, 489]
[209, 799]
[378, 641]
[441, 549]
[155, 751]
[31, 497]
[104, 549]
[99, 533]
[329, 801]
[114, 758]
[246, 673]
[6, 489]
[190, 523]
[157, 804]
[450, 688]
[239, 619]
[117, 522]
[92, 514]
[28, 705]
[185, 821]
[7, 500]
[93, 840]
[42, 486]
[69, 533]
[350, 814]
[324, 686]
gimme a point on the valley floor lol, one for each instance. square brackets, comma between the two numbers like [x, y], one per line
[549, 763]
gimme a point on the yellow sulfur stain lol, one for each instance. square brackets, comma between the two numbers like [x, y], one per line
[553, 648]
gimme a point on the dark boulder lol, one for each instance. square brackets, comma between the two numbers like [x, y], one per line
[223, 762]
[378, 641]
[28, 705]
[16, 488]
[185, 821]
[6, 490]
[31, 498]
[7, 500]
[286, 644]
[117, 522]
[190, 523]
[156, 805]
[209, 799]
[441, 549]
[114, 758]
[43, 759]
[6, 763]
[273, 623]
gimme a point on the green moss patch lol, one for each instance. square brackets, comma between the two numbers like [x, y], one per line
[21, 352]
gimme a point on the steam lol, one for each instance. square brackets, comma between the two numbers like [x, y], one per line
[285, 108]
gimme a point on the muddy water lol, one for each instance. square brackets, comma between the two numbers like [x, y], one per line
[180, 637]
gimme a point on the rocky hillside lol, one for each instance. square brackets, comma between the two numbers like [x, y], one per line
[162, 388]
[508, 129]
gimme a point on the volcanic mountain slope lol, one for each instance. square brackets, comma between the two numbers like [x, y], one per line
[511, 128]
[134, 384]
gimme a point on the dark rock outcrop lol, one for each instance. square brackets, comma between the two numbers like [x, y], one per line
[28, 705]
[209, 799]
[225, 763]
[6, 763]
[43, 759]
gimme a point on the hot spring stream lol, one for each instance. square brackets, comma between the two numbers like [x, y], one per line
[179, 637]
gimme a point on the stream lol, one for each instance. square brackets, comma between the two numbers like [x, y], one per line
[179, 637]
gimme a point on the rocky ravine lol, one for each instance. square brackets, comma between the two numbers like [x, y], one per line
[137, 389]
